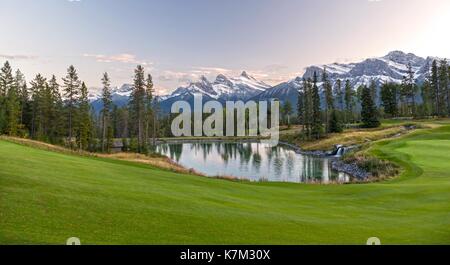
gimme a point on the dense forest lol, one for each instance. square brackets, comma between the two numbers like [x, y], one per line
[342, 105]
[59, 111]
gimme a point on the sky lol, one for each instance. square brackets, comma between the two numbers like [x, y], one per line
[177, 41]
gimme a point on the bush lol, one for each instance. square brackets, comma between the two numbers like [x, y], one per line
[375, 166]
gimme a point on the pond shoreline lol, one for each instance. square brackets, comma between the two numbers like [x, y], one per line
[336, 164]
[271, 164]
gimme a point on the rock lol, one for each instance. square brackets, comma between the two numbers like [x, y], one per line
[351, 169]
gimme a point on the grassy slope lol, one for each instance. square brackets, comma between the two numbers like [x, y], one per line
[46, 197]
[354, 136]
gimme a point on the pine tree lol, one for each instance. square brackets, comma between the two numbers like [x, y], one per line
[106, 114]
[84, 119]
[368, 109]
[329, 102]
[150, 115]
[435, 88]
[426, 93]
[6, 79]
[6, 84]
[335, 124]
[307, 107]
[71, 92]
[444, 92]
[38, 85]
[56, 111]
[389, 98]
[13, 112]
[349, 101]
[22, 89]
[408, 92]
[287, 111]
[46, 114]
[137, 108]
[317, 128]
[301, 105]
[339, 95]
[373, 91]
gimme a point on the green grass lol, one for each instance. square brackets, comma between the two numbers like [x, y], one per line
[47, 197]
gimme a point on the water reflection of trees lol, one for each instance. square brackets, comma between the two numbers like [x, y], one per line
[257, 160]
[172, 150]
[312, 169]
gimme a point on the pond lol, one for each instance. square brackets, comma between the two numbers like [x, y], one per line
[252, 161]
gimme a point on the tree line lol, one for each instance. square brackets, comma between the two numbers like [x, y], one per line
[60, 112]
[340, 105]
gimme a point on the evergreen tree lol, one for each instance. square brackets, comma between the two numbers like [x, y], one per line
[373, 91]
[22, 89]
[137, 108]
[368, 109]
[149, 112]
[84, 130]
[426, 93]
[339, 95]
[107, 129]
[307, 107]
[435, 88]
[329, 102]
[38, 85]
[6, 83]
[71, 94]
[287, 111]
[56, 111]
[335, 124]
[300, 104]
[409, 90]
[349, 101]
[444, 92]
[317, 128]
[6, 79]
[13, 112]
[389, 98]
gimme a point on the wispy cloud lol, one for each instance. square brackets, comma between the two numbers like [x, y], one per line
[121, 58]
[181, 77]
[211, 70]
[17, 56]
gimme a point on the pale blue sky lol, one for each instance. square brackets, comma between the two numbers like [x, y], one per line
[180, 40]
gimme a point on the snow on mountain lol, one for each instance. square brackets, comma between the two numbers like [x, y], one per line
[120, 96]
[389, 68]
[224, 88]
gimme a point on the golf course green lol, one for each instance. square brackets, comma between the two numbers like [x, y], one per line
[47, 197]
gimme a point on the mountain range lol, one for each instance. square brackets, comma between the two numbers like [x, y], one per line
[389, 68]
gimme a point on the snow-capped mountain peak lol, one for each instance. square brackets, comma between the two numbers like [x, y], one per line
[224, 88]
[389, 68]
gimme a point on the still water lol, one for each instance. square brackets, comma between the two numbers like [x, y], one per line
[252, 161]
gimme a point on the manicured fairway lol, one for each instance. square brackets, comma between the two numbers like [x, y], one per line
[47, 197]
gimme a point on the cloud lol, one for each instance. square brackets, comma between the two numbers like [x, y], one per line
[211, 70]
[17, 56]
[121, 58]
[182, 77]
